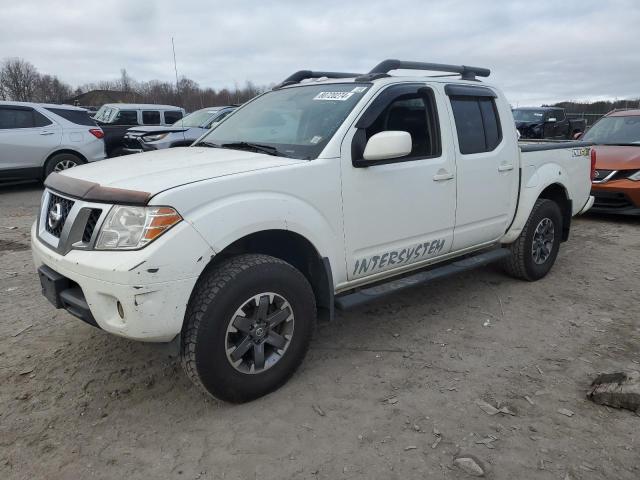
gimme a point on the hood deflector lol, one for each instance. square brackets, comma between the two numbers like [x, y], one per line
[94, 192]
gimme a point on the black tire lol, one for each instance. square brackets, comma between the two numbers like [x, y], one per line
[61, 161]
[217, 297]
[523, 263]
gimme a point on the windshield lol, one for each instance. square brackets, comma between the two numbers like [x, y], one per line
[528, 115]
[196, 119]
[614, 131]
[295, 122]
[105, 114]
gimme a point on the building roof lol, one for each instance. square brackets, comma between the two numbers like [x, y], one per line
[624, 113]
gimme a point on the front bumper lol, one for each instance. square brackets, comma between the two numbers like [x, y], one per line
[141, 295]
[617, 196]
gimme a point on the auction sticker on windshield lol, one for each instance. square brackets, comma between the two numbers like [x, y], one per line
[340, 96]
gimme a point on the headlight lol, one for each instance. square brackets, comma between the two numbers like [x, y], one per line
[154, 138]
[635, 177]
[130, 228]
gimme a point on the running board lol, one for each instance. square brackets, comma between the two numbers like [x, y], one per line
[369, 294]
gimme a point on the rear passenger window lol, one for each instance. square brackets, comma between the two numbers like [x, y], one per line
[78, 117]
[477, 124]
[172, 116]
[150, 117]
[21, 118]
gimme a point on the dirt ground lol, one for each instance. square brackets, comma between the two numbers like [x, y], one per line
[378, 386]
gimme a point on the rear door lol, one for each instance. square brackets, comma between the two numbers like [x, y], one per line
[487, 178]
[401, 211]
[26, 137]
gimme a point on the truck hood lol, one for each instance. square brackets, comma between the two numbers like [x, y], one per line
[154, 172]
[614, 157]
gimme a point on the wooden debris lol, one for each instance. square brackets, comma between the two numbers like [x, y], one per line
[618, 390]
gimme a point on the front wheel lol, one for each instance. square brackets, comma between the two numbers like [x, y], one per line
[534, 252]
[247, 327]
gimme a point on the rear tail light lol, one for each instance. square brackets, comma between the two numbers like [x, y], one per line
[593, 164]
[96, 132]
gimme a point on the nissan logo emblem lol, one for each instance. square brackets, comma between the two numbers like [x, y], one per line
[55, 216]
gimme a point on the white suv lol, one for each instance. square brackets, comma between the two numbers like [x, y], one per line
[37, 139]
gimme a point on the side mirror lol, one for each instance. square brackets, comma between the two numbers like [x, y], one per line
[386, 145]
[551, 120]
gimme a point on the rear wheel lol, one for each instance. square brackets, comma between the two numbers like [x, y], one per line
[535, 251]
[247, 327]
[60, 162]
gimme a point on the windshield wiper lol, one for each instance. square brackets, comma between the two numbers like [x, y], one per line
[207, 144]
[269, 150]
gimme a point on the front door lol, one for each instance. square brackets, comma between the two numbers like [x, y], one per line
[398, 212]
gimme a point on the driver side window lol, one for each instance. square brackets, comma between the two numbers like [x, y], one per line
[413, 112]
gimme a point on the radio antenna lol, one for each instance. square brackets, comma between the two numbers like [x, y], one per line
[175, 69]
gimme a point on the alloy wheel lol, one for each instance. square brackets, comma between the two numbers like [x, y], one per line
[259, 333]
[543, 239]
[64, 165]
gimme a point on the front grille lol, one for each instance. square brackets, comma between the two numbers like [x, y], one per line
[601, 175]
[91, 224]
[611, 200]
[131, 142]
[53, 224]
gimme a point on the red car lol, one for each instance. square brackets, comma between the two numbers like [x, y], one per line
[616, 139]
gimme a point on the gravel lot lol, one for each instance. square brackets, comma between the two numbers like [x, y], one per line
[76, 402]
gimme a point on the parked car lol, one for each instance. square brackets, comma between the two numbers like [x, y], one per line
[616, 186]
[116, 118]
[311, 196]
[182, 133]
[37, 139]
[546, 122]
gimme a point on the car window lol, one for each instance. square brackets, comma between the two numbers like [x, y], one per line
[150, 117]
[21, 118]
[172, 116]
[559, 114]
[415, 114]
[219, 118]
[78, 117]
[126, 117]
[477, 124]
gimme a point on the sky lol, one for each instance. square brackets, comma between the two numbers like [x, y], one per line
[539, 51]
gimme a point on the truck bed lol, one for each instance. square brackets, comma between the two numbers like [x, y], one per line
[532, 145]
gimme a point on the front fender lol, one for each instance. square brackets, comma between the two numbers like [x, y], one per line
[534, 181]
[231, 218]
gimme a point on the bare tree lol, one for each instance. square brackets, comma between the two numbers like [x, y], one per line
[18, 79]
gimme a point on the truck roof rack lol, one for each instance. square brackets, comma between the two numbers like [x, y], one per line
[466, 72]
[306, 74]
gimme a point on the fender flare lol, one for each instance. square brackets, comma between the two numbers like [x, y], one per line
[540, 179]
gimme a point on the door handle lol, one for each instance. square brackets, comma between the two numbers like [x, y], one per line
[46, 133]
[505, 167]
[440, 177]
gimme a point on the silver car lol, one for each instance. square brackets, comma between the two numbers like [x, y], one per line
[37, 139]
[183, 132]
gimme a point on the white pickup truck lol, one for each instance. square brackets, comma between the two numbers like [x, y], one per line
[331, 190]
